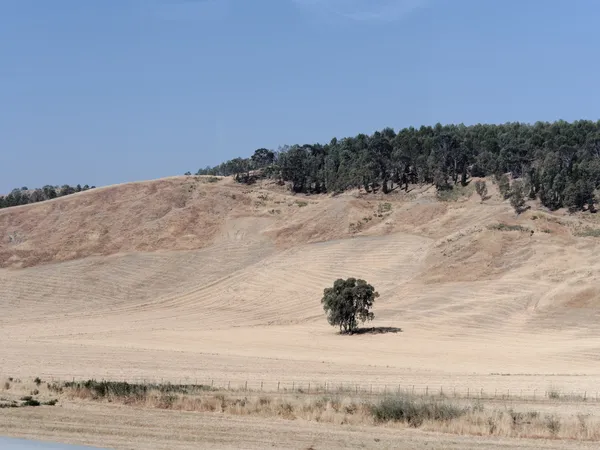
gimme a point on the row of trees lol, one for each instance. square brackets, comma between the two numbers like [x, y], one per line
[557, 162]
[24, 196]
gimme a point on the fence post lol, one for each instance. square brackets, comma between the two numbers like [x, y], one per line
[534, 392]
[426, 391]
[212, 383]
[278, 386]
[468, 392]
[293, 386]
[584, 395]
[413, 390]
[229, 385]
[356, 391]
[309, 387]
[261, 386]
[495, 392]
[441, 391]
[246, 386]
[481, 395]
[371, 389]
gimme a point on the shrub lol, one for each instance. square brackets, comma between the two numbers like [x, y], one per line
[414, 412]
[37, 381]
[30, 402]
[301, 203]
[384, 207]
[481, 189]
[553, 424]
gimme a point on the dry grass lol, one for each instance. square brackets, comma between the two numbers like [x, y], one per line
[430, 414]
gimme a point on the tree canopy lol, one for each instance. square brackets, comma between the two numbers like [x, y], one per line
[347, 302]
[559, 162]
[24, 196]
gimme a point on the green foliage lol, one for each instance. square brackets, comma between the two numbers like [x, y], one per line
[454, 193]
[481, 189]
[348, 301]
[23, 196]
[414, 411]
[504, 185]
[517, 196]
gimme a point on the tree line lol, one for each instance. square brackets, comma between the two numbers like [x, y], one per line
[556, 162]
[25, 196]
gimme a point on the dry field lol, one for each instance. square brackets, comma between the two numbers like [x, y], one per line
[188, 279]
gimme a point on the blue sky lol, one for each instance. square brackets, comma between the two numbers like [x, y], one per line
[109, 91]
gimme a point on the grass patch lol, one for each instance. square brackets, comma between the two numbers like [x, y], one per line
[212, 179]
[301, 203]
[384, 208]
[588, 232]
[505, 227]
[455, 193]
[415, 411]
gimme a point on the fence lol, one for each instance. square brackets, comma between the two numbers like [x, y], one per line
[362, 389]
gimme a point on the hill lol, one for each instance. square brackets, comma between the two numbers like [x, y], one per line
[206, 278]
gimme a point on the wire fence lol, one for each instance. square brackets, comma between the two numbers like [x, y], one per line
[352, 388]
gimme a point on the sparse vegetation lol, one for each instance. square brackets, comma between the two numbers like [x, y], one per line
[504, 185]
[426, 412]
[301, 203]
[347, 302]
[505, 227]
[588, 232]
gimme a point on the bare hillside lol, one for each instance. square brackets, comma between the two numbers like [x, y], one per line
[192, 276]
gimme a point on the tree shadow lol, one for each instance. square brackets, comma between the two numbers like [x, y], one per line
[377, 330]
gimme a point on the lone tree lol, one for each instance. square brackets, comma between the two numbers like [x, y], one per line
[347, 301]
[481, 189]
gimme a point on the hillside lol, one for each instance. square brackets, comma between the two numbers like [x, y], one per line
[197, 277]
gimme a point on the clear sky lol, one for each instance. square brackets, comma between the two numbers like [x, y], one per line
[109, 91]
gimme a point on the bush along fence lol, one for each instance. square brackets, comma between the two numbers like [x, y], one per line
[347, 388]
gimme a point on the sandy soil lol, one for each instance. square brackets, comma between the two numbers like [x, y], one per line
[182, 278]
